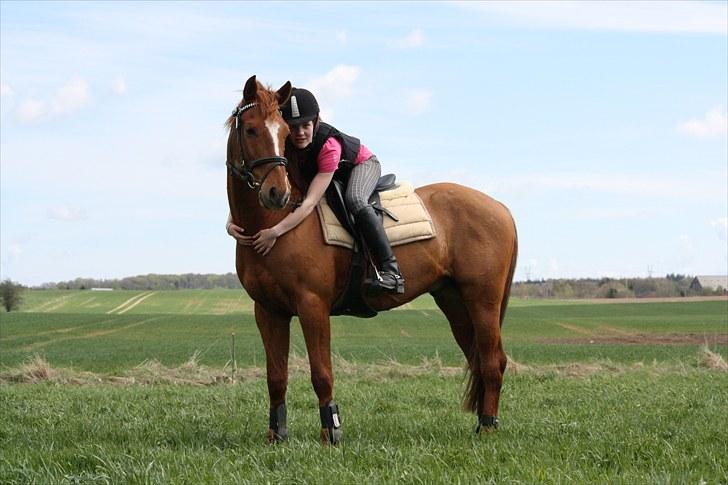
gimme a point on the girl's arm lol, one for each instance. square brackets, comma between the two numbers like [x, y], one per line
[263, 241]
[235, 231]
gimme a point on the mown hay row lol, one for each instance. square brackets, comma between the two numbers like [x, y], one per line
[194, 373]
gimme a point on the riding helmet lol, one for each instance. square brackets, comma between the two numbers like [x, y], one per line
[300, 107]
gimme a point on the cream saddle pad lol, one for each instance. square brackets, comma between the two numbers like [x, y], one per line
[415, 223]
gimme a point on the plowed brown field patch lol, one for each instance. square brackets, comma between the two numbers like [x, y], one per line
[645, 339]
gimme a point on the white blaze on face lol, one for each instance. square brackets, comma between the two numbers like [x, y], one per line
[273, 127]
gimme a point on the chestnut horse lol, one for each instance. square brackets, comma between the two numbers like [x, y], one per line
[467, 267]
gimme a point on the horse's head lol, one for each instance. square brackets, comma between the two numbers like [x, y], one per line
[257, 141]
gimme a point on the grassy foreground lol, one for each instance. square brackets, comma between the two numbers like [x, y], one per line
[137, 389]
[637, 427]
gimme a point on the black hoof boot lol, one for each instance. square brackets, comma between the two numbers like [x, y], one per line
[487, 423]
[330, 424]
[277, 426]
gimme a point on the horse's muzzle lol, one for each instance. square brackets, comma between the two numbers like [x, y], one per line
[274, 198]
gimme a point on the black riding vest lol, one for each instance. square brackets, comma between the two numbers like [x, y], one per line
[349, 151]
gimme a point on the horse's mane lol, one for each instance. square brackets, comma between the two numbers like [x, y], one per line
[295, 174]
[267, 103]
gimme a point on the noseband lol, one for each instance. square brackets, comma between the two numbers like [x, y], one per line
[246, 174]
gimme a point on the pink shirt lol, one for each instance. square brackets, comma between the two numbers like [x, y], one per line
[330, 154]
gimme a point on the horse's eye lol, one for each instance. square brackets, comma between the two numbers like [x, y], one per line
[250, 132]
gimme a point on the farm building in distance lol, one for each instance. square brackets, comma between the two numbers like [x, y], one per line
[709, 282]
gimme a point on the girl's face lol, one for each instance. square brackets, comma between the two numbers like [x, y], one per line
[302, 135]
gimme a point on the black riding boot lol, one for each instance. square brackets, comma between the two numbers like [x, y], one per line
[388, 277]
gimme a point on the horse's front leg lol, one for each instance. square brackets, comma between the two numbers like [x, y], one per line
[315, 323]
[275, 330]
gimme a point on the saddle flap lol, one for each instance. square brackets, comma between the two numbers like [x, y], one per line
[335, 199]
[386, 182]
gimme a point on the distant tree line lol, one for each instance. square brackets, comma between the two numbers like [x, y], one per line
[672, 285]
[153, 282]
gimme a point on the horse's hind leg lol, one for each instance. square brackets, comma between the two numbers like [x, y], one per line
[275, 331]
[488, 362]
[484, 353]
[450, 301]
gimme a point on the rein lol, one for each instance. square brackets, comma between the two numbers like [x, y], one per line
[246, 174]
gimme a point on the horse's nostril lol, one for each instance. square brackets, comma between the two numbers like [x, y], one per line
[273, 192]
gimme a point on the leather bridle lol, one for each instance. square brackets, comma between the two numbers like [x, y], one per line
[246, 174]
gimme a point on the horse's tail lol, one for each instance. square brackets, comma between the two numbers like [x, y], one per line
[476, 386]
[509, 280]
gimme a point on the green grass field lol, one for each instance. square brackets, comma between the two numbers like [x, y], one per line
[187, 302]
[133, 387]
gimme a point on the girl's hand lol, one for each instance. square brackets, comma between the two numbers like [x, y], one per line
[236, 232]
[263, 241]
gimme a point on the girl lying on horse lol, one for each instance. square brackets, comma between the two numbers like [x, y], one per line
[323, 148]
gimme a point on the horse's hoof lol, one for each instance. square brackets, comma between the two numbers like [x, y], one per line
[331, 436]
[279, 437]
[487, 424]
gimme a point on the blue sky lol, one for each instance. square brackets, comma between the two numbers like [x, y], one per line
[602, 126]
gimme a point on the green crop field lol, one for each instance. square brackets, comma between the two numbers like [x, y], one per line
[187, 302]
[139, 387]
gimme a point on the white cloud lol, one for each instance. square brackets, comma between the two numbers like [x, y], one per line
[31, 110]
[337, 83]
[70, 97]
[417, 101]
[634, 16]
[714, 123]
[119, 86]
[67, 99]
[342, 36]
[707, 186]
[65, 213]
[721, 226]
[702, 186]
[15, 250]
[6, 90]
[414, 39]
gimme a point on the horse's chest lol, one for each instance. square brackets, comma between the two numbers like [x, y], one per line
[263, 287]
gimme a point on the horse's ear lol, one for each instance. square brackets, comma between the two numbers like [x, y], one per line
[251, 89]
[284, 93]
